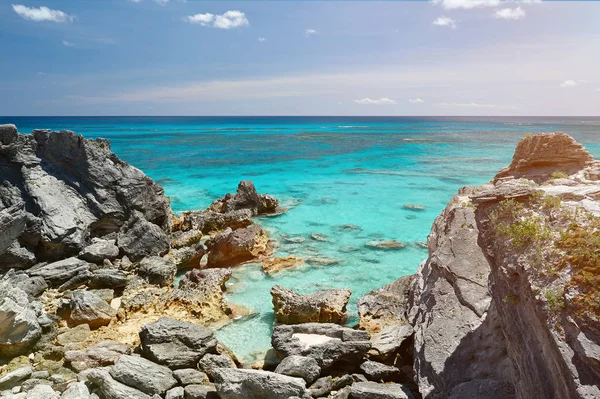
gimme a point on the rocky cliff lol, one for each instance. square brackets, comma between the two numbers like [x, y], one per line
[508, 302]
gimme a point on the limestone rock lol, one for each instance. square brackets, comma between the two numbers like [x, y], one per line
[99, 250]
[76, 390]
[211, 362]
[32, 286]
[190, 376]
[321, 387]
[111, 388]
[303, 367]
[275, 265]
[19, 325]
[143, 374]
[257, 384]
[108, 278]
[387, 343]
[201, 392]
[321, 307]
[385, 306]
[157, 270]
[232, 247]
[380, 372]
[140, 238]
[176, 344]
[42, 391]
[105, 353]
[14, 378]
[88, 308]
[245, 197]
[59, 272]
[373, 390]
[209, 221]
[389, 245]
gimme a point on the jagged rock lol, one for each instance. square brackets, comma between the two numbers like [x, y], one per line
[148, 377]
[328, 344]
[175, 343]
[14, 378]
[385, 306]
[537, 156]
[106, 353]
[76, 390]
[275, 265]
[19, 325]
[140, 238]
[112, 389]
[387, 343]
[322, 307]
[75, 188]
[343, 393]
[232, 247]
[107, 278]
[77, 281]
[17, 257]
[379, 372]
[321, 387]
[211, 362]
[245, 197]
[190, 376]
[373, 390]
[187, 257]
[207, 222]
[157, 270]
[59, 272]
[201, 392]
[88, 308]
[257, 384]
[32, 286]
[99, 250]
[303, 367]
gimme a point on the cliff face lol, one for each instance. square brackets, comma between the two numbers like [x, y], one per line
[508, 302]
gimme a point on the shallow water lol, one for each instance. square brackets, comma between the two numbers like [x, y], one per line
[330, 172]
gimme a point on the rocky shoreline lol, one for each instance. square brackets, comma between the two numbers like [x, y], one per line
[90, 305]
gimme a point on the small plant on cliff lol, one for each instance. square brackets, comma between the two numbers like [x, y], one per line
[555, 299]
[559, 174]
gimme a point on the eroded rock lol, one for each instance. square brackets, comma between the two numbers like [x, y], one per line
[321, 307]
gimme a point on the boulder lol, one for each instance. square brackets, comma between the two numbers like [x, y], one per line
[59, 272]
[321, 387]
[190, 376]
[14, 378]
[207, 222]
[389, 245]
[106, 353]
[77, 281]
[245, 197]
[211, 362]
[320, 307]
[76, 390]
[143, 374]
[19, 325]
[107, 278]
[328, 344]
[88, 308]
[99, 250]
[176, 344]
[111, 388]
[42, 391]
[257, 384]
[373, 390]
[201, 392]
[303, 367]
[175, 393]
[17, 257]
[140, 238]
[232, 247]
[387, 343]
[157, 271]
[32, 286]
[380, 372]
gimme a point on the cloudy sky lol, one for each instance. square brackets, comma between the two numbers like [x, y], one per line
[176, 57]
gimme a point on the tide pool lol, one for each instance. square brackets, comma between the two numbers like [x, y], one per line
[330, 172]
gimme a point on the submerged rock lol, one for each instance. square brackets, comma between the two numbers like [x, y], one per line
[275, 265]
[385, 245]
[414, 207]
[319, 237]
[321, 307]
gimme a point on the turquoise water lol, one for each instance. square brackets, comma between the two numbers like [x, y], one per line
[329, 171]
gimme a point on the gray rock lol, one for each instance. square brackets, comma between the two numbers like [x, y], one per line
[19, 325]
[328, 344]
[31, 383]
[40, 374]
[42, 391]
[386, 344]
[176, 344]
[140, 238]
[327, 306]
[321, 387]
[373, 390]
[13, 219]
[157, 271]
[8, 134]
[111, 388]
[343, 393]
[200, 392]
[105, 293]
[483, 388]
[190, 376]
[15, 377]
[76, 390]
[210, 362]
[304, 367]
[106, 353]
[342, 382]
[88, 308]
[232, 247]
[108, 278]
[257, 384]
[60, 272]
[32, 286]
[380, 372]
[149, 377]
[17, 257]
[175, 393]
[99, 250]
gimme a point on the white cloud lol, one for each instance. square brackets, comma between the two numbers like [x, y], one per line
[309, 32]
[67, 43]
[572, 83]
[368, 101]
[475, 105]
[416, 101]
[228, 20]
[466, 4]
[509, 13]
[262, 39]
[41, 14]
[445, 21]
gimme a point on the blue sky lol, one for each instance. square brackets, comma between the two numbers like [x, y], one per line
[175, 57]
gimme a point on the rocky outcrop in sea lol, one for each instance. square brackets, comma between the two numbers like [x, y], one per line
[105, 293]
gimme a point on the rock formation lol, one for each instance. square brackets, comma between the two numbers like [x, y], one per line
[320, 307]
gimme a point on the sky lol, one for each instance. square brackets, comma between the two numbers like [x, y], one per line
[177, 57]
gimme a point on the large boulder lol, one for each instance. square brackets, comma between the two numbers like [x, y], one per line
[59, 272]
[88, 308]
[176, 344]
[303, 367]
[75, 189]
[329, 344]
[245, 197]
[143, 374]
[257, 384]
[385, 306]
[19, 325]
[99, 250]
[232, 247]
[327, 306]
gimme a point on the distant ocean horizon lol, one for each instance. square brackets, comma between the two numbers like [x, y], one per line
[330, 171]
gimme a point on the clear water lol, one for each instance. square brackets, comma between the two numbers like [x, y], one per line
[330, 171]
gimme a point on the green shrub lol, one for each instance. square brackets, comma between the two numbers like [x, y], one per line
[558, 174]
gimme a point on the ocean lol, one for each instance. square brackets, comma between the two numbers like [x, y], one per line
[330, 172]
